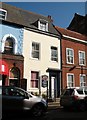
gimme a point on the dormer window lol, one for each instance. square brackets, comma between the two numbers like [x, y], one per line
[3, 14]
[43, 25]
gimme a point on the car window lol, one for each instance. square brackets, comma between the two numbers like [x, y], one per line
[85, 91]
[4, 91]
[21, 93]
[15, 92]
[68, 92]
[80, 91]
[11, 91]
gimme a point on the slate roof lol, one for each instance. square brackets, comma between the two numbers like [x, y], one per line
[26, 18]
[78, 24]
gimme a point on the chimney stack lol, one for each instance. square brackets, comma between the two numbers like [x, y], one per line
[50, 18]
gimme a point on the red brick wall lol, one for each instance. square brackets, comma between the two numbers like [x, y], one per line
[10, 60]
[76, 46]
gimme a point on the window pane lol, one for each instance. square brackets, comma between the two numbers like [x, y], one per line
[35, 50]
[81, 58]
[82, 80]
[9, 45]
[54, 54]
[2, 14]
[70, 81]
[70, 55]
[43, 26]
[34, 79]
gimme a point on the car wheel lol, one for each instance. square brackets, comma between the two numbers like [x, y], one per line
[37, 110]
[82, 107]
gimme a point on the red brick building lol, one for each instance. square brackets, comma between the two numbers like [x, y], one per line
[74, 58]
[11, 69]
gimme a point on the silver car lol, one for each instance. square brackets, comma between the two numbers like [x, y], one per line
[14, 98]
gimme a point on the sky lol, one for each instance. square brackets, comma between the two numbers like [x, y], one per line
[61, 12]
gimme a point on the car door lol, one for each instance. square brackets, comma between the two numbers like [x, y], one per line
[66, 97]
[11, 100]
[5, 99]
[16, 99]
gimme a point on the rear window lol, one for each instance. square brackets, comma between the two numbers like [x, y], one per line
[68, 92]
[80, 91]
[85, 91]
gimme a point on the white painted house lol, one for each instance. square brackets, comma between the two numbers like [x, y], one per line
[42, 56]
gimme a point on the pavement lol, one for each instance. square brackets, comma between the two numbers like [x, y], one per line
[54, 104]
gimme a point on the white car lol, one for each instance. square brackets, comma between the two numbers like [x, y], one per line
[74, 98]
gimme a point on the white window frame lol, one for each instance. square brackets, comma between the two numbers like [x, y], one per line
[84, 82]
[32, 50]
[68, 81]
[44, 25]
[69, 55]
[83, 58]
[3, 15]
[35, 80]
[54, 56]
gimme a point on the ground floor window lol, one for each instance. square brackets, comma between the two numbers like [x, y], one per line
[70, 80]
[82, 80]
[34, 79]
[14, 76]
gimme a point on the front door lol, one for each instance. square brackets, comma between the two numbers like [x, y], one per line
[54, 84]
[53, 87]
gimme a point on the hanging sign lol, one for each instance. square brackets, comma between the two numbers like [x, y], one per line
[44, 80]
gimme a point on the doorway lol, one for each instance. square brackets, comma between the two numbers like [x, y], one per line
[54, 84]
[3, 79]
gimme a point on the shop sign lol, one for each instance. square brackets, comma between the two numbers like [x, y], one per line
[3, 67]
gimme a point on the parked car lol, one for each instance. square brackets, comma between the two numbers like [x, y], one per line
[74, 98]
[14, 98]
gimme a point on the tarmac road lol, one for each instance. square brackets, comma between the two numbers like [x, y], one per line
[55, 113]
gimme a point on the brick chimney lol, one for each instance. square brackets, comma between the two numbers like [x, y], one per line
[50, 18]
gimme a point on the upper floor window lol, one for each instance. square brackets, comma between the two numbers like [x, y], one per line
[3, 14]
[9, 46]
[82, 58]
[69, 55]
[43, 25]
[82, 80]
[34, 79]
[54, 54]
[35, 50]
[70, 80]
